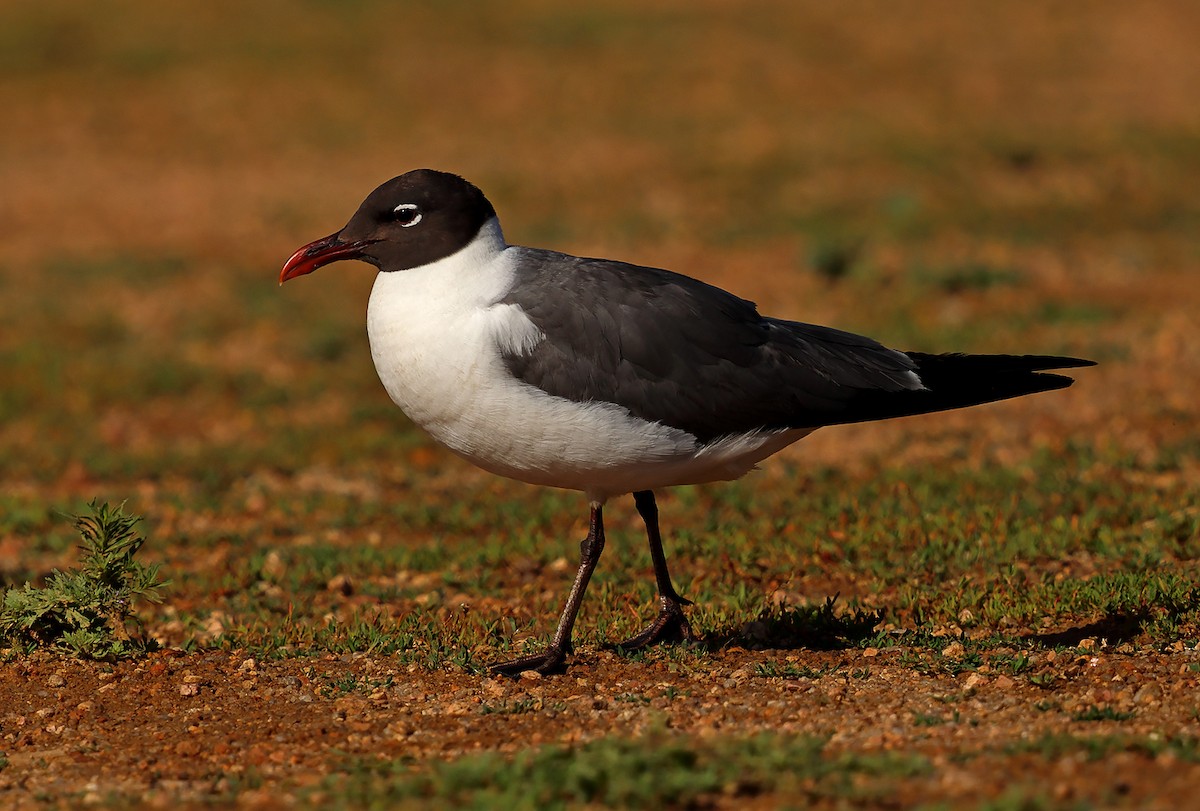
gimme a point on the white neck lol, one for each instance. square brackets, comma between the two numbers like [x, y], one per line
[432, 326]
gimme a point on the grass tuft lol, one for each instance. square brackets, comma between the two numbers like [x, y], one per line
[86, 612]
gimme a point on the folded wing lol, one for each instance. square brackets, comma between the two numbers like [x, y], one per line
[683, 353]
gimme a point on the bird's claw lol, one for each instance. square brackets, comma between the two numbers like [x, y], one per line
[671, 625]
[551, 660]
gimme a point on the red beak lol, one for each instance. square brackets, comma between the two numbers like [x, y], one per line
[319, 254]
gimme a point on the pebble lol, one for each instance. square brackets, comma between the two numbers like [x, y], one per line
[1147, 693]
[974, 680]
[341, 584]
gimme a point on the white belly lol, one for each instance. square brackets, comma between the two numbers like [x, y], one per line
[437, 333]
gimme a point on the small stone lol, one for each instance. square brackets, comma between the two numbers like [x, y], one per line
[341, 584]
[273, 566]
[954, 650]
[1004, 683]
[216, 623]
[974, 680]
[870, 653]
[494, 688]
[1147, 693]
[56, 680]
[190, 689]
[740, 675]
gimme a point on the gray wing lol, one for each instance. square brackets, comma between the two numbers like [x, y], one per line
[683, 353]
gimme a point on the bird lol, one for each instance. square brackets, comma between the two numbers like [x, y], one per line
[610, 378]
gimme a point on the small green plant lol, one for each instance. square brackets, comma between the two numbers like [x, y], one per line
[86, 612]
[517, 707]
[773, 670]
[1094, 713]
[633, 698]
[921, 719]
[1043, 680]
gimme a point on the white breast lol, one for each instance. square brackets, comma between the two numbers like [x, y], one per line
[437, 333]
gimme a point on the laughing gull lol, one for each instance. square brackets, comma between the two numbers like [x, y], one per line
[609, 378]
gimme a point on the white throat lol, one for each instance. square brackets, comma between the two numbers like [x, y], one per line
[437, 333]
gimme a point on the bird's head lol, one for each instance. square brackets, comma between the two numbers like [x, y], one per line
[409, 221]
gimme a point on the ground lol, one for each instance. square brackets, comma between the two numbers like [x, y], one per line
[993, 608]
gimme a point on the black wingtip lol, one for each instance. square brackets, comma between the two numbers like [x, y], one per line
[1039, 363]
[958, 381]
[1003, 364]
[1052, 382]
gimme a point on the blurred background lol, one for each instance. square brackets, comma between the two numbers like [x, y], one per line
[942, 175]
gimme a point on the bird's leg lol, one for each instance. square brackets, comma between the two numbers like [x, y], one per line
[551, 660]
[671, 624]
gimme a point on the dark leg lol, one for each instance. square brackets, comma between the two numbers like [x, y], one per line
[670, 625]
[551, 660]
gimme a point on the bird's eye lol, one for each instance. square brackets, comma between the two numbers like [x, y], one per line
[407, 214]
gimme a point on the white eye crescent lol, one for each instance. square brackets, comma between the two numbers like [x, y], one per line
[407, 214]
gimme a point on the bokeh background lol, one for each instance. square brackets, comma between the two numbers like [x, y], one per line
[943, 175]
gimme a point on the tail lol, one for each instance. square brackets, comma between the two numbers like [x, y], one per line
[957, 381]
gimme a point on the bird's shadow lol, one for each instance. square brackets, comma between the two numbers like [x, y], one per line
[1116, 628]
[790, 627]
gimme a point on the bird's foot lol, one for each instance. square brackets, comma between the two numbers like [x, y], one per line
[551, 660]
[670, 625]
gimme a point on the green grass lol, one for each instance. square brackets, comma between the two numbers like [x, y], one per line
[773, 670]
[1057, 746]
[920, 548]
[1102, 714]
[660, 771]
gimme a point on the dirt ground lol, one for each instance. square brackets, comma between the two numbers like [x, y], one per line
[181, 729]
